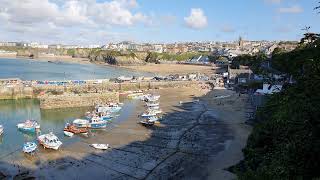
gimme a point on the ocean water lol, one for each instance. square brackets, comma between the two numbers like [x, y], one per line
[13, 112]
[27, 69]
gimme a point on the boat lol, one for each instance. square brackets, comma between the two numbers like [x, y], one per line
[74, 130]
[1, 130]
[100, 146]
[152, 98]
[29, 147]
[97, 123]
[152, 104]
[106, 117]
[29, 126]
[50, 141]
[152, 119]
[81, 123]
[146, 123]
[123, 78]
[154, 108]
[148, 114]
[67, 133]
[155, 111]
[111, 107]
[138, 95]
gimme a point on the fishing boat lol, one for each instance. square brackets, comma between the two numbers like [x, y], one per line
[97, 123]
[100, 146]
[155, 111]
[111, 107]
[1, 130]
[148, 114]
[153, 119]
[67, 133]
[152, 104]
[50, 141]
[29, 126]
[152, 98]
[74, 130]
[146, 123]
[81, 123]
[29, 147]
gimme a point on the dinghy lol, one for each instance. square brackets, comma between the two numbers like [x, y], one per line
[146, 123]
[152, 104]
[100, 146]
[67, 133]
[1, 130]
[148, 114]
[29, 147]
[50, 141]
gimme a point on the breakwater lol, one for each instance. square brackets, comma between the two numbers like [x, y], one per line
[82, 95]
[77, 100]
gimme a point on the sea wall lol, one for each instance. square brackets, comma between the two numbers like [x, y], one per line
[76, 100]
[109, 86]
[15, 92]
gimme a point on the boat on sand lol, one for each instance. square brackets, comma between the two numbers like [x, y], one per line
[100, 146]
[50, 141]
[29, 147]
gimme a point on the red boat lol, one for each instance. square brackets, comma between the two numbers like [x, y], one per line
[75, 130]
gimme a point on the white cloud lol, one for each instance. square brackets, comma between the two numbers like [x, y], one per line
[67, 17]
[292, 9]
[197, 19]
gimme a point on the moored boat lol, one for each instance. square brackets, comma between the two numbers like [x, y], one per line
[152, 104]
[29, 147]
[81, 123]
[67, 133]
[111, 107]
[29, 126]
[148, 114]
[146, 123]
[74, 130]
[50, 141]
[97, 123]
[1, 130]
[100, 146]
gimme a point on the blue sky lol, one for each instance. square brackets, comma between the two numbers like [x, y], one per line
[103, 21]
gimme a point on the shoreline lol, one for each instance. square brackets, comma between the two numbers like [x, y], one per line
[159, 69]
[195, 139]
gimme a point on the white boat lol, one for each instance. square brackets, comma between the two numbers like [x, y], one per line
[148, 114]
[97, 123]
[112, 107]
[152, 104]
[100, 146]
[123, 78]
[146, 123]
[1, 130]
[29, 147]
[50, 141]
[29, 126]
[155, 111]
[153, 119]
[152, 98]
[69, 134]
[154, 108]
[81, 123]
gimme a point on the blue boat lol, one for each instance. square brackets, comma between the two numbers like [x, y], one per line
[29, 147]
[97, 123]
[29, 126]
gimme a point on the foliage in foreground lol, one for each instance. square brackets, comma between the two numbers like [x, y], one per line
[286, 144]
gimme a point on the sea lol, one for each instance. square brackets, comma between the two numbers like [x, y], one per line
[13, 112]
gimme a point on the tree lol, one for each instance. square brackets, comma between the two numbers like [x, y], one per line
[317, 8]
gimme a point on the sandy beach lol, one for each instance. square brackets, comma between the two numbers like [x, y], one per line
[167, 69]
[195, 140]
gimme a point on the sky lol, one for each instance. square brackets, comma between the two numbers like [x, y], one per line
[155, 21]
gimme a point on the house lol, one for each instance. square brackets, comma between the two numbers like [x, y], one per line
[239, 76]
[269, 89]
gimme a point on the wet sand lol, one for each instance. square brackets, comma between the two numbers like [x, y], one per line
[195, 140]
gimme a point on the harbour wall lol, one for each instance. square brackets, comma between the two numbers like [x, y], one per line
[16, 92]
[77, 100]
[53, 96]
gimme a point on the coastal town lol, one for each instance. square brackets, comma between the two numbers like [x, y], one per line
[141, 90]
